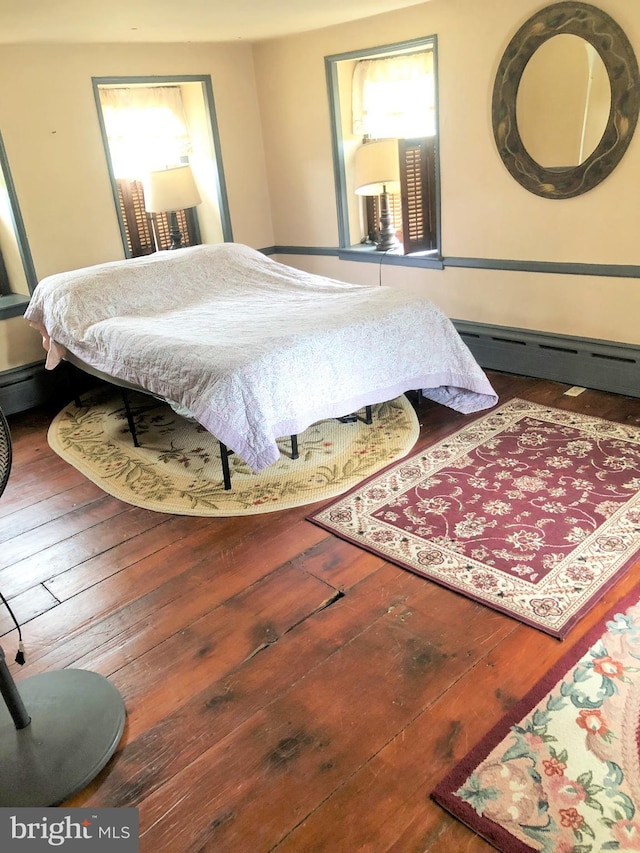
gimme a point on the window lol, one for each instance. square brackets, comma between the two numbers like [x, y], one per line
[17, 273]
[159, 123]
[388, 93]
[394, 96]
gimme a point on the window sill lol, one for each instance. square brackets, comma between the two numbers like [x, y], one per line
[13, 305]
[368, 254]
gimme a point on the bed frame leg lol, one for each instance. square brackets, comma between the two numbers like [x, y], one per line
[294, 447]
[130, 420]
[351, 419]
[72, 383]
[226, 471]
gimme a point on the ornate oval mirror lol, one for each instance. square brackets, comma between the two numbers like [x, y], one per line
[602, 139]
[563, 102]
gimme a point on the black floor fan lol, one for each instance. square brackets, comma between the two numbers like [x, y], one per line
[59, 729]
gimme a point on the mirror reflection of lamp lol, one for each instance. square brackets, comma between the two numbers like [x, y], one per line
[169, 190]
[377, 173]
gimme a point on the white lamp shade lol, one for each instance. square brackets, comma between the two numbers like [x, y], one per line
[171, 189]
[377, 167]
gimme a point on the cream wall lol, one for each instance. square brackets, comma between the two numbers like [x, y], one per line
[485, 213]
[273, 118]
[50, 129]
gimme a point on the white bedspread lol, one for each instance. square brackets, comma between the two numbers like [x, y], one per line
[254, 349]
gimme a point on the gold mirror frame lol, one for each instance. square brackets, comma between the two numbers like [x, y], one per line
[614, 48]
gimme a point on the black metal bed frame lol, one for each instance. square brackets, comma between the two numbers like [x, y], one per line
[126, 387]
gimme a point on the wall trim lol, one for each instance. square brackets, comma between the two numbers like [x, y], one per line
[587, 362]
[364, 254]
[12, 305]
[556, 267]
[300, 250]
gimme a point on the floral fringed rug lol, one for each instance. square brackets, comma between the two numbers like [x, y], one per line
[561, 772]
[177, 468]
[531, 510]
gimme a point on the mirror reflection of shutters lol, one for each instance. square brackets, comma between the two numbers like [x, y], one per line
[137, 222]
[187, 225]
[418, 193]
[141, 227]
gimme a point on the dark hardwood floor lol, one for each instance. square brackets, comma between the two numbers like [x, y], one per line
[285, 690]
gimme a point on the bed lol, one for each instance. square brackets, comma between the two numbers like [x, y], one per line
[253, 349]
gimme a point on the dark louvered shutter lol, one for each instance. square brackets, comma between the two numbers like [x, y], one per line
[161, 229]
[417, 181]
[187, 224]
[137, 223]
[144, 231]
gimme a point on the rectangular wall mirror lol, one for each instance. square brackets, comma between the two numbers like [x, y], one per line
[155, 124]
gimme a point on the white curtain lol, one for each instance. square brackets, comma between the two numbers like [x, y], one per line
[146, 129]
[394, 96]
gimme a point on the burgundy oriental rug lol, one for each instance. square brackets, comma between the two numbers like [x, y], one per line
[561, 772]
[531, 510]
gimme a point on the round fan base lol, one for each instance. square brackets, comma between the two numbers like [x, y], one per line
[77, 720]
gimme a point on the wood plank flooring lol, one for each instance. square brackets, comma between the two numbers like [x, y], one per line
[285, 691]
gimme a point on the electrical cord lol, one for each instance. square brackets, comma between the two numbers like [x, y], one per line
[5, 468]
[382, 256]
[20, 658]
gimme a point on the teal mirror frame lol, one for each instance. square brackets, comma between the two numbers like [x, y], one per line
[13, 304]
[615, 50]
[205, 81]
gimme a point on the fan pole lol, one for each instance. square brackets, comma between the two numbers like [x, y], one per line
[11, 696]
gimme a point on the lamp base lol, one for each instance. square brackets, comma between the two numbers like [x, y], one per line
[77, 720]
[174, 232]
[389, 244]
[388, 240]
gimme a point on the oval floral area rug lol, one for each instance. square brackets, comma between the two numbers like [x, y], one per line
[177, 467]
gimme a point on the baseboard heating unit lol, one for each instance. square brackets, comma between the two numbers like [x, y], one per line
[602, 365]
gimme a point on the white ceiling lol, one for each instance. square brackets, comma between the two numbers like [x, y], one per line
[56, 21]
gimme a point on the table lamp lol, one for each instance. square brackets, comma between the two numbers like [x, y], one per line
[377, 173]
[169, 190]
